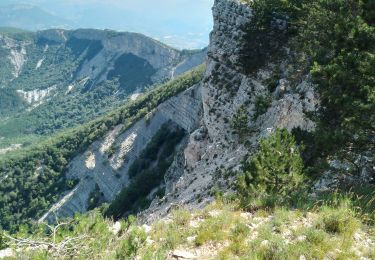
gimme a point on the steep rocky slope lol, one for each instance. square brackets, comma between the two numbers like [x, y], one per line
[279, 210]
[214, 148]
[82, 167]
[271, 92]
[96, 48]
[96, 168]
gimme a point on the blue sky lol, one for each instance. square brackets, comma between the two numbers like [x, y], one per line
[180, 23]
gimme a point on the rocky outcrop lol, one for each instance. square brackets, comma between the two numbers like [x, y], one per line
[36, 97]
[97, 168]
[213, 152]
[161, 57]
[214, 149]
[17, 54]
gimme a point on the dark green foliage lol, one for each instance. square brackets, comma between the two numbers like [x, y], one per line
[33, 178]
[6, 68]
[133, 72]
[160, 147]
[369, 11]
[265, 37]
[240, 122]
[274, 174]
[338, 37]
[135, 240]
[262, 103]
[144, 176]
[343, 68]
[58, 66]
[10, 101]
[80, 46]
[112, 150]
[61, 113]
[273, 81]
[95, 198]
[131, 198]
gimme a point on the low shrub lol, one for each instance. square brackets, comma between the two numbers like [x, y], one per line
[274, 175]
[262, 103]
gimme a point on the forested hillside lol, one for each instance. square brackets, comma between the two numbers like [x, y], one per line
[56, 79]
[33, 178]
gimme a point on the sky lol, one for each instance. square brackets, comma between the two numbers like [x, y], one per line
[180, 23]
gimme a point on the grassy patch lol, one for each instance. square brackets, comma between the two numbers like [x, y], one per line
[220, 231]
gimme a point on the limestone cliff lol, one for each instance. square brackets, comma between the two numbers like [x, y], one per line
[109, 172]
[213, 151]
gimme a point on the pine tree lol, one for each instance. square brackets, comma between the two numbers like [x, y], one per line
[240, 122]
[276, 170]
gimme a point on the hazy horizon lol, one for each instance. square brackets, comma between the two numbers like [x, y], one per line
[179, 23]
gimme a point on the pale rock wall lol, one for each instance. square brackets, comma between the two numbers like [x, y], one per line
[36, 96]
[93, 167]
[167, 61]
[214, 148]
[17, 53]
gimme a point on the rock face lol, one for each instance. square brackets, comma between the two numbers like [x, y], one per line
[161, 57]
[109, 173]
[215, 149]
[16, 57]
[213, 152]
[36, 97]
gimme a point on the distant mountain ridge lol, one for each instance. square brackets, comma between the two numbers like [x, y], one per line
[56, 78]
[173, 28]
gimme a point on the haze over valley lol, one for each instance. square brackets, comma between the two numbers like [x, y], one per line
[178, 23]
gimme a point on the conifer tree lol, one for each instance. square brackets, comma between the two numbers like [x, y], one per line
[276, 170]
[240, 122]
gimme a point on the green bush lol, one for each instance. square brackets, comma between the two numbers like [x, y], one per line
[340, 220]
[338, 38]
[274, 174]
[135, 240]
[343, 58]
[240, 122]
[262, 103]
[2, 241]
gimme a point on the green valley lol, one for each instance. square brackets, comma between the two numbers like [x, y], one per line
[56, 79]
